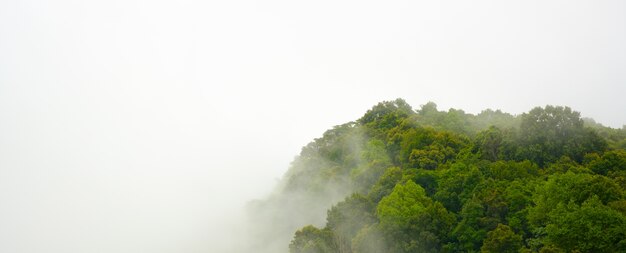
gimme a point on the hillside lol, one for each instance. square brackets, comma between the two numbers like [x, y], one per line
[405, 180]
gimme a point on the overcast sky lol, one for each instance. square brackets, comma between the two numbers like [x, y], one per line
[142, 126]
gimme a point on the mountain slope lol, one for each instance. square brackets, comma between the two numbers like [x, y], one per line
[404, 180]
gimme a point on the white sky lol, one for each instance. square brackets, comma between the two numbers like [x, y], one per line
[141, 126]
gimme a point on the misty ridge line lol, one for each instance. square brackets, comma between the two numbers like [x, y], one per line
[146, 126]
[388, 182]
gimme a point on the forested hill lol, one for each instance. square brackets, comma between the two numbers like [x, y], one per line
[405, 180]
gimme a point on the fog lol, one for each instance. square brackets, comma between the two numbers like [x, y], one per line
[146, 126]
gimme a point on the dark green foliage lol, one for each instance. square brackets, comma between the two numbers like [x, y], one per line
[427, 179]
[502, 240]
[456, 185]
[490, 143]
[570, 187]
[590, 227]
[511, 170]
[612, 161]
[399, 181]
[548, 133]
[472, 229]
[385, 185]
[384, 116]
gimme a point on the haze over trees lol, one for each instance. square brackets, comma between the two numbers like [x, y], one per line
[404, 180]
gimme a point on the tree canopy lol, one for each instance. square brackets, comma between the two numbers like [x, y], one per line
[424, 180]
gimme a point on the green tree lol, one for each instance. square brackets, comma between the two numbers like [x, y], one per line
[348, 217]
[369, 240]
[449, 181]
[406, 200]
[397, 211]
[590, 227]
[570, 187]
[374, 162]
[502, 240]
[471, 230]
[385, 184]
[489, 143]
[614, 160]
[312, 240]
[548, 133]
[433, 226]
[456, 185]
[385, 116]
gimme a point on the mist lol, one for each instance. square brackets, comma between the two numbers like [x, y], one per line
[149, 126]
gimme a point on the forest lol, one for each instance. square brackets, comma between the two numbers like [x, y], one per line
[400, 180]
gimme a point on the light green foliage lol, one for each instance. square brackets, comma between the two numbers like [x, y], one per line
[411, 221]
[405, 200]
[312, 240]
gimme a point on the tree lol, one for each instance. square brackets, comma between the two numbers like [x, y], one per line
[489, 143]
[374, 162]
[369, 240]
[614, 160]
[396, 212]
[385, 184]
[561, 189]
[471, 230]
[384, 116]
[405, 201]
[432, 226]
[502, 240]
[348, 217]
[548, 133]
[590, 227]
[448, 181]
[312, 240]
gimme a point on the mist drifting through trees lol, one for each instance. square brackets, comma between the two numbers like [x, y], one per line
[182, 126]
[404, 180]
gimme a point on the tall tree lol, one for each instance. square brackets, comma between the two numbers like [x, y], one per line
[548, 133]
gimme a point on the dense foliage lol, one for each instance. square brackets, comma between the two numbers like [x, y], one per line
[433, 181]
